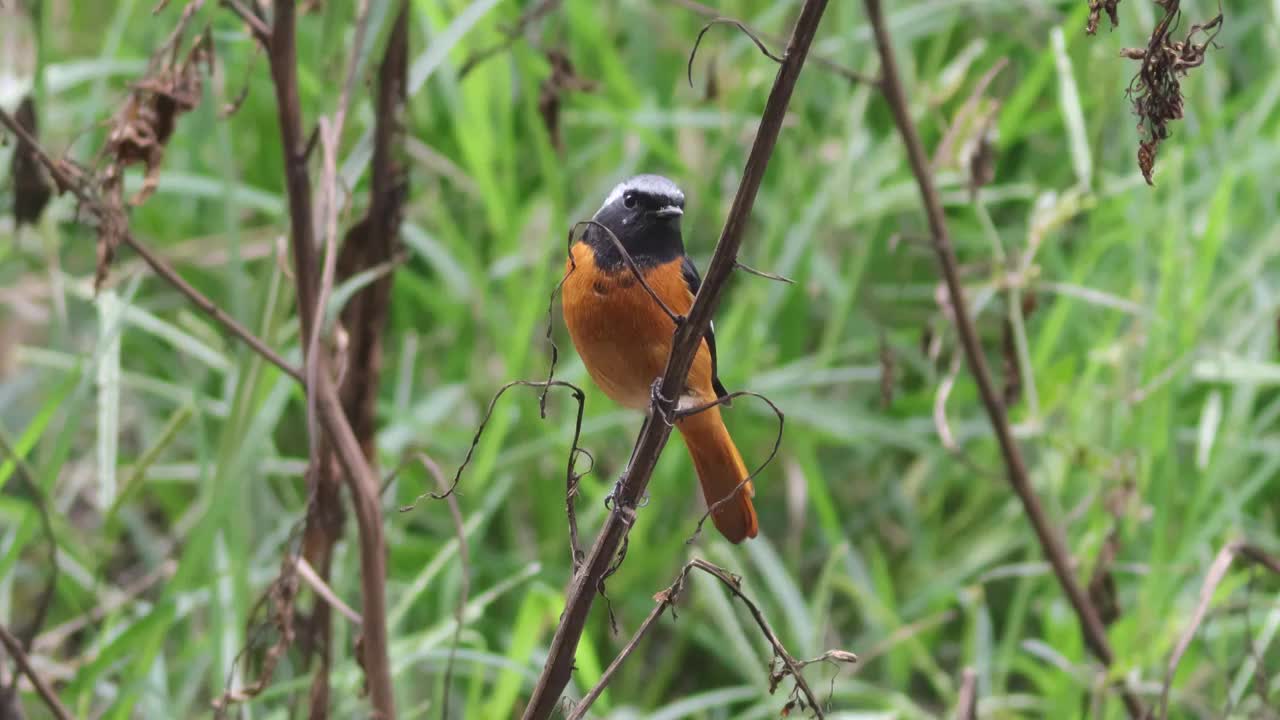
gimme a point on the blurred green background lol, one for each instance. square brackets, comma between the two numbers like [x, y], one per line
[1139, 323]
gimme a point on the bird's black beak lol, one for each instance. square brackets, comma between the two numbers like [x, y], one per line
[670, 211]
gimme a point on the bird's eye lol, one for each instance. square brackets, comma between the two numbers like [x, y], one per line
[629, 200]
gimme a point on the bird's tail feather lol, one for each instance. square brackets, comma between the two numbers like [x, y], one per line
[721, 471]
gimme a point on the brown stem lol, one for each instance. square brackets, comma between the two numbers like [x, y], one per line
[709, 12]
[166, 271]
[260, 31]
[67, 182]
[667, 598]
[1094, 633]
[583, 585]
[14, 648]
[362, 481]
[367, 244]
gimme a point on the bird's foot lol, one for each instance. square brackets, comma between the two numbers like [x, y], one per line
[660, 402]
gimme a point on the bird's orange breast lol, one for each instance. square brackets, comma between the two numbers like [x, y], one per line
[621, 334]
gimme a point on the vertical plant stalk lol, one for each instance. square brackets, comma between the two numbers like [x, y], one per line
[361, 480]
[368, 244]
[1095, 634]
[653, 437]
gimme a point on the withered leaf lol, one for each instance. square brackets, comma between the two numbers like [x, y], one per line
[1095, 11]
[142, 127]
[1156, 90]
[563, 80]
[32, 186]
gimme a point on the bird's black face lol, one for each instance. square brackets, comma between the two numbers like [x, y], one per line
[644, 213]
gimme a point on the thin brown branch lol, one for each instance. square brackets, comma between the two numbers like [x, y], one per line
[572, 477]
[852, 76]
[278, 605]
[801, 696]
[171, 276]
[46, 693]
[69, 179]
[360, 477]
[330, 134]
[326, 593]
[578, 395]
[742, 27]
[368, 248]
[688, 337]
[1217, 571]
[1050, 541]
[256, 26]
[766, 275]
[665, 599]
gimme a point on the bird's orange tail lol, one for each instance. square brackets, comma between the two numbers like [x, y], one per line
[720, 470]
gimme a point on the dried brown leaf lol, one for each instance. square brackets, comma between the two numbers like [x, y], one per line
[1095, 11]
[32, 187]
[141, 128]
[1156, 90]
[563, 80]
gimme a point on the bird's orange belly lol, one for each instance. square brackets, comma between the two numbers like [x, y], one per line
[622, 339]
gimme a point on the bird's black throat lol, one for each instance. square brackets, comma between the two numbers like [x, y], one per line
[649, 242]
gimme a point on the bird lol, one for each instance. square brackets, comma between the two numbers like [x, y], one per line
[624, 337]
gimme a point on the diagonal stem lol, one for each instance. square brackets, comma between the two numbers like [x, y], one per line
[653, 438]
[1050, 541]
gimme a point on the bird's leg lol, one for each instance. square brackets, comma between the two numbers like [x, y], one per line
[659, 402]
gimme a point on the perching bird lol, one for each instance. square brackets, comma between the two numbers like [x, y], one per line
[624, 337]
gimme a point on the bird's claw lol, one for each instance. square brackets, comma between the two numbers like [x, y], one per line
[659, 401]
[616, 492]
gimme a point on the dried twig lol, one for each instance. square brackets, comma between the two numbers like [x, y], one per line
[578, 395]
[69, 178]
[256, 26]
[801, 696]
[736, 23]
[46, 693]
[326, 593]
[1217, 571]
[361, 479]
[1050, 541]
[825, 63]
[278, 604]
[688, 338]
[369, 247]
[761, 273]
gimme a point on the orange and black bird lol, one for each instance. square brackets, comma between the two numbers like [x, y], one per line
[624, 337]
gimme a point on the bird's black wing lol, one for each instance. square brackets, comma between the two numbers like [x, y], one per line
[694, 281]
